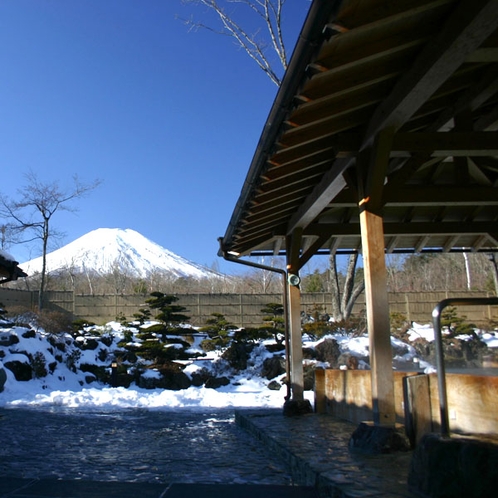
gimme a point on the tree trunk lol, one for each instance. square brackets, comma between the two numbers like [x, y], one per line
[336, 293]
[44, 265]
[342, 304]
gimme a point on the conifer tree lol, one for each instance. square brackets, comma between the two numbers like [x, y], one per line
[170, 314]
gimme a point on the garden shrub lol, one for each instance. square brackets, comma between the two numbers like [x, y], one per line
[39, 365]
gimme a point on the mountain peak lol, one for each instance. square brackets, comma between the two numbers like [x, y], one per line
[105, 249]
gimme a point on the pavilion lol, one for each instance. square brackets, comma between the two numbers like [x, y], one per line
[382, 139]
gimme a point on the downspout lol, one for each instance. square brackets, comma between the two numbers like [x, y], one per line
[228, 257]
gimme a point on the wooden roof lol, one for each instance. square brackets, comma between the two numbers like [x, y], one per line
[424, 70]
[9, 270]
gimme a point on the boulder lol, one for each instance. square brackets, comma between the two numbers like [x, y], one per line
[3, 379]
[216, 382]
[273, 367]
[274, 385]
[8, 339]
[200, 377]
[379, 439]
[328, 351]
[454, 467]
[348, 361]
[22, 371]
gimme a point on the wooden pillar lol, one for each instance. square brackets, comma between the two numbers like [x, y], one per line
[295, 343]
[372, 239]
[320, 394]
[295, 340]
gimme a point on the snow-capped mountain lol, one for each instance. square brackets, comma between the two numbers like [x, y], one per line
[104, 249]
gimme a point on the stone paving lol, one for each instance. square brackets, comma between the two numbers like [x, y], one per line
[315, 448]
[134, 446]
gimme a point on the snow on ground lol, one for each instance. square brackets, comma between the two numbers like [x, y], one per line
[64, 388]
[246, 395]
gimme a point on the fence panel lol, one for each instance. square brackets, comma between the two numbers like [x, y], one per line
[13, 299]
[240, 309]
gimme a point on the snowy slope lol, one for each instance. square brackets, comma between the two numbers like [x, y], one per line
[104, 249]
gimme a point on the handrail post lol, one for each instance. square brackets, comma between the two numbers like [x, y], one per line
[438, 337]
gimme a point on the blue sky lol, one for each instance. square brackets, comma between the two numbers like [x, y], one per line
[122, 91]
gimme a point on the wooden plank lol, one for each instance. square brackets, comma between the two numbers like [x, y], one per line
[418, 411]
[472, 403]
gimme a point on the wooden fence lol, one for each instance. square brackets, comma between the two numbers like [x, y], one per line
[240, 309]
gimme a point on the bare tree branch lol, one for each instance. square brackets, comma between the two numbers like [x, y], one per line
[33, 212]
[270, 14]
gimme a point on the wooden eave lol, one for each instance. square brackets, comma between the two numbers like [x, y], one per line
[425, 69]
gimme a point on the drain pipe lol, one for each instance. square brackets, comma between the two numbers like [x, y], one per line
[229, 257]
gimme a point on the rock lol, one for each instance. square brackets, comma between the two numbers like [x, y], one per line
[8, 339]
[274, 385]
[308, 377]
[347, 360]
[457, 353]
[200, 377]
[22, 371]
[309, 354]
[29, 334]
[273, 367]
[172, 378]
[454, 467]
[216, 382]
[294, 407]
[275, 348]
[379, 439]
[3, 379]
[328, 351]
[89, 344]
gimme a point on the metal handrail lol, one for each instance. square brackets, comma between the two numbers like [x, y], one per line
[438, 338]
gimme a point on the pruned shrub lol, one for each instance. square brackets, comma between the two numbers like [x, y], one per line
[39, 365]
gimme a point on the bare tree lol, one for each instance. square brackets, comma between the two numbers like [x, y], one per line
[342, 303]
[235, 17]
[32, 213]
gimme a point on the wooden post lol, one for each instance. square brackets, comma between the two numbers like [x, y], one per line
[320, 394]
[293, 247]
[372, 239]
[295, 344]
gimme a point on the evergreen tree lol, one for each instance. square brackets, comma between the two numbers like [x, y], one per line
[170, 314]
[274, 318]
[218, 328]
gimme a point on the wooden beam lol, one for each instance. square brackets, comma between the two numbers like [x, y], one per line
[450, 243]
[467, 28]
[312, 249]
[392, 229]
[440, 195]
[435, 144]
[377, 171]
[372, 241]
[469, 143]
[421, 243]
[331, 184]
